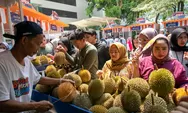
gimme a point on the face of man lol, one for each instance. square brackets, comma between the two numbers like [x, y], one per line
[78, 43]
[90, 38]
[32, 44]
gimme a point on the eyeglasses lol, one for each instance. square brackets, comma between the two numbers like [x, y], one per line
[114, 52]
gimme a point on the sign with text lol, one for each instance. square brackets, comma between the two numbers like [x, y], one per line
[135, 28]
[15, 18]
[172, 24]
[178, 15]
[53, 27]
[140, 20]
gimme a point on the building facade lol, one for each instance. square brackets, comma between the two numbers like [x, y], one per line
[68, 10]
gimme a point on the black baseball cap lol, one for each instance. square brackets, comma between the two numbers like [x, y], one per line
[90, 31]
[25, 28]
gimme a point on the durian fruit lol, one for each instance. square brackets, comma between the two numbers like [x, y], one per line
[98, 109]
[116, 110]
[82, 100]
[121, 83]
[43, 88]
[110, 85]
[54, 92]
[106, 100]
[85, 75]
[96, 89]
[117, 101]
[157, 101]
[83, 88]
[155, 108]
[51, 72]
[75, 78]
[36, 62]
[131, 100]
[179, 93]
[161, 81]
[62, 72]
[59, 58]
[43, 59]
[140, 85]
[66, 92]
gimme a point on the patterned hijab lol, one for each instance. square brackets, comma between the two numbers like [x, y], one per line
[122, 61]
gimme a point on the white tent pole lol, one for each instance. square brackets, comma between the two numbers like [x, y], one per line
[21, 10]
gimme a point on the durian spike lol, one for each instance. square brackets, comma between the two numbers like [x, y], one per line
[152, 99]
[156, 94]
[186, 89]
[155, 67]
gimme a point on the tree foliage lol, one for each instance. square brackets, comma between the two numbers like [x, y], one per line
[115, 8]
[163, 7]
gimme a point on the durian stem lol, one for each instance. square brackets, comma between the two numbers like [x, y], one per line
[155, 67]
[186, 88]
[152, 99]
[128, 88]
[82, 67]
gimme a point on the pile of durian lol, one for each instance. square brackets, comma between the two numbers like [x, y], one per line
[117, 94]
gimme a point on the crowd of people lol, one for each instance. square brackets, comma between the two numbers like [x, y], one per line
[83, 49]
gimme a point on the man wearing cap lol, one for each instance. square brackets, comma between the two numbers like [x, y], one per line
[87, 55]
[102, 49]
[17, 73]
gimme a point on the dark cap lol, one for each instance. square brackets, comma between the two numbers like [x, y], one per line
[78, 34]
[90, 31]
[25, 28]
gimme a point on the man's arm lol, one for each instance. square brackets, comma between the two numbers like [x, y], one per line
[53, 81]
[70, 59]
[15, 106]
[90, 58]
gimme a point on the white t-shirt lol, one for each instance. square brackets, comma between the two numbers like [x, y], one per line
[16, 81]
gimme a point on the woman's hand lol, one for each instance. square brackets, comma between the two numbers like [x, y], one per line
[182, 107]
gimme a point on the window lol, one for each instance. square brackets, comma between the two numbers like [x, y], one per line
[68, 2]
[61, 13]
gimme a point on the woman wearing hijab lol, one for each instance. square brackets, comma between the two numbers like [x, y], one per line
[178, 42]
[144, 37]
[160, 56]
[118, 65]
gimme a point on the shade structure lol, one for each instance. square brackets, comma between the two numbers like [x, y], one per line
[93, 21]
[30, 12]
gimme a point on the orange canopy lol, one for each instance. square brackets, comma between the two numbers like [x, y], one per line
[59, 23]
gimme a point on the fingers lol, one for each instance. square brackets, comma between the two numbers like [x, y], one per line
[182, 109]
[176, 112]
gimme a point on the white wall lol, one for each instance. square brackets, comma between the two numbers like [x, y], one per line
[80, 7]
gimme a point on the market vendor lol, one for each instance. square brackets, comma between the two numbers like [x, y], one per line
[17, 73]
[160, 56]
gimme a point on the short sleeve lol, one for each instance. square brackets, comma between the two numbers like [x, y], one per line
[35, 74]
[4, 84]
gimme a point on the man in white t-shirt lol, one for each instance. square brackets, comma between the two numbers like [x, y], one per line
[17, 73]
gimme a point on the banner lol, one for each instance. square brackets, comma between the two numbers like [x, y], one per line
[53, 27]
[140, 20]
[2, 15]
[178, 15]
[172, 24]
[15, 18]
[136, 28]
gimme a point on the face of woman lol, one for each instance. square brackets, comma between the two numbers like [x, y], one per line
[114, 53]
[135, 42]
[142, 40]
[160, 49]
[182, 39]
